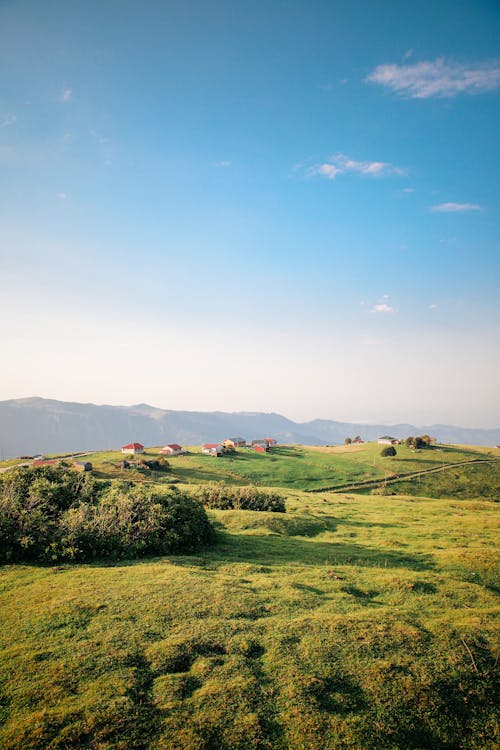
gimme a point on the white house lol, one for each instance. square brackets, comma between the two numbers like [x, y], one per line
[172, 450]
[213, 449]
[133, 448]
[387, 440]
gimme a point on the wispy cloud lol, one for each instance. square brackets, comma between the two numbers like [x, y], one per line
[9, 119]
[455, 207]
[66, 95]
[383, 306]
[433, 306]
[408, 190]
[61, 196]
[223, 163]
[438, 78]
[342, 164]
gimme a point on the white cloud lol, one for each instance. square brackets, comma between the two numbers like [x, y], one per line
[223, 163]
[455, 207]
[408, 190]
[342, 164]
[439, 78]
[433, 306]
[66, 95]
[61, 196]
[9, 119]
[382, 307]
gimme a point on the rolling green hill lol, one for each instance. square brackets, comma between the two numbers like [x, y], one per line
[292, 466]
[353, 621]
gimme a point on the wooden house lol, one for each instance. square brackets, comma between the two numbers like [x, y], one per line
[81, 466]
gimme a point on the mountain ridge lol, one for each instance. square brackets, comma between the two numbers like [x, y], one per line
[37, 425]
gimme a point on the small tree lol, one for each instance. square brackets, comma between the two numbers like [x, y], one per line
[388, 450]
[348, 441]
[410, 442]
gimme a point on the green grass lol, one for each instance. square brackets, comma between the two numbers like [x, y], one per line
[477, 481]
[293, 467]
[350, 622]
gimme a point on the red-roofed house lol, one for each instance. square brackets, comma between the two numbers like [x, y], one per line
[212, 449]
[133, 448]
[45, 462]
[172, 450]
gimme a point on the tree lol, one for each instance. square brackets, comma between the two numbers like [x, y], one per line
[410, 442]
[388, 450]
[348, 441]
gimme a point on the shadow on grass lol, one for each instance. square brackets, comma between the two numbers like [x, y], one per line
[273, 550]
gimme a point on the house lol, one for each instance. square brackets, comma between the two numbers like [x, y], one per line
[81, 466]
[267, 442]
[387, 440]
[260, 447]
[133, 448]
[212, 449]
[238, 442]
[172, 450]
[357, 440]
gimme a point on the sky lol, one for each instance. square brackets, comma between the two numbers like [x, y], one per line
[271, 206]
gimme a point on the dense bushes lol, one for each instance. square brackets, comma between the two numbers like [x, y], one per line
[389, 450]
[240, 498]
[51, 513]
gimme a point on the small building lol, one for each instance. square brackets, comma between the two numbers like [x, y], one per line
[172, 450]
[260, 447]
[213, 449]
[271, 441]
[133, 448]
[266, 442]
[357, 440]
[387, 440]
[81, 466]
[238, 442]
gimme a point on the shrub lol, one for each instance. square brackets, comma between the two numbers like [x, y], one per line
[51, 514]
[388, 450]
[241, 498]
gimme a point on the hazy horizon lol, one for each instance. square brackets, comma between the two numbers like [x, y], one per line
[243, 411]
[270, 208]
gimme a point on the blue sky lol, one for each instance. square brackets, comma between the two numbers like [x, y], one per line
[278, 206]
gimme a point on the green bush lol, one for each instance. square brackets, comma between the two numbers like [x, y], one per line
[50, 514]
[388, 450]
[240, 498]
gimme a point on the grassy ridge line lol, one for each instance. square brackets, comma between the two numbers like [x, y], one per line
[372, 483]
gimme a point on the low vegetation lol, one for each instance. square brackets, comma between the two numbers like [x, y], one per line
[350, 622]
[240, 498]
[51, 514]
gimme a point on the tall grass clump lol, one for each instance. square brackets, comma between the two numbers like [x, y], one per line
[224, 497]
[50, 514]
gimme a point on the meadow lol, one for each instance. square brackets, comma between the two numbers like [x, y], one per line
[291, 466]
[352, 621]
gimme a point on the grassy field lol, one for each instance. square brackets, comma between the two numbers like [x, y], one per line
[351, 621]
[290, 466]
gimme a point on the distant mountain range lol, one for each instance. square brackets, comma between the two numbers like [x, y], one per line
[38, 425]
